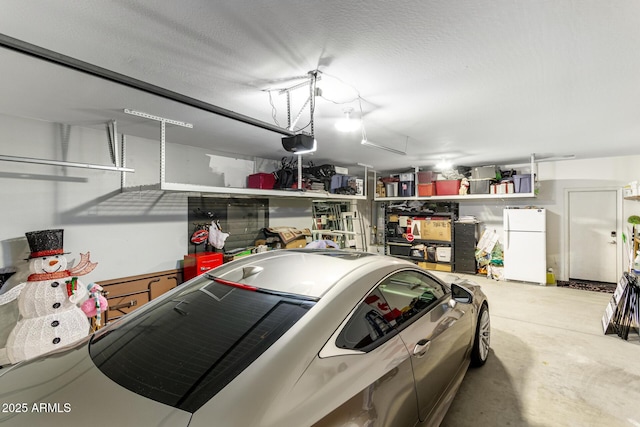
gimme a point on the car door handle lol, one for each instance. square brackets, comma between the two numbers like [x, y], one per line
[421, 348]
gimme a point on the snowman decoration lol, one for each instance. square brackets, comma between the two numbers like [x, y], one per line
[50, 301]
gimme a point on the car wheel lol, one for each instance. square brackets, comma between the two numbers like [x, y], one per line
[481, 343]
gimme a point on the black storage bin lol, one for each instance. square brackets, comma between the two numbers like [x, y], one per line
[431, 254]
[407, 187]
[402, 249]
[394, 230]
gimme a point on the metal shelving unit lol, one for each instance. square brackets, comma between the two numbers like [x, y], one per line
[451, 213]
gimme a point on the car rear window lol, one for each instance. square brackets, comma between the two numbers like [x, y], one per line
[186, 348]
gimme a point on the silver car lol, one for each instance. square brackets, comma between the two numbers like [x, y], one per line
[284, 338]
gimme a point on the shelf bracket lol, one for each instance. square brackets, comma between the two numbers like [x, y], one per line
[65, 131]
[163, 149]
[112, 142]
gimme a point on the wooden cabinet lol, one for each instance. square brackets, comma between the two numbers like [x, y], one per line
[129, 293]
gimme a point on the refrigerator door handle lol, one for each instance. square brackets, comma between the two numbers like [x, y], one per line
[506, 229]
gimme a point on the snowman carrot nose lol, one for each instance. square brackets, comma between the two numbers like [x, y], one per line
[53, 262]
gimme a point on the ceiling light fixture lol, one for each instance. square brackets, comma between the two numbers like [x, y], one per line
[444, 165]
[310, 150]
[347, 124]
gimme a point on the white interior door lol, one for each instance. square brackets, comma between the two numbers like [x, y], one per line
[593, 239]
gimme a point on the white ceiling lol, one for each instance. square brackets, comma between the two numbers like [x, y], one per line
[478, 82]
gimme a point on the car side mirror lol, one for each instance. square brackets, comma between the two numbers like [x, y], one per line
[461, 294]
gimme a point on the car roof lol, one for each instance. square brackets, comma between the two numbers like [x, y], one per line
[309, 272]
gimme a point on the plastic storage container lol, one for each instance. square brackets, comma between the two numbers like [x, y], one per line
[391, 189]
[426, 189]
[426, 177]
[484, 172]
[443, 254]
[402, 249]
[407, 187]
[636, 263]
[261, 180]
[447, 187]
[480, 186]
[522, 183]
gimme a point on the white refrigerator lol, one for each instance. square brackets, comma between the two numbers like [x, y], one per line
[525, 245]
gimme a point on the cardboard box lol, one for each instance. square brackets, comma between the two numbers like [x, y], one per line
[298, 243]
[427, 265]
[443, 267]
[436, 229]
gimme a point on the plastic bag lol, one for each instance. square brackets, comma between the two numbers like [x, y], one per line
[216, 236]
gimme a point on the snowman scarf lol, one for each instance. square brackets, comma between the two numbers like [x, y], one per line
[85, 266]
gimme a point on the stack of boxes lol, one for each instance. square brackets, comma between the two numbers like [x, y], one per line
[482, 178]
[425, 183]
[436, 257]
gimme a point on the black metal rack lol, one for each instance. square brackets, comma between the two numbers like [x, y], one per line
[399, 240]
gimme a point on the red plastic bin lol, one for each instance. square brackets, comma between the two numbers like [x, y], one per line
[447, 187]
[262, 180]
[426, 189]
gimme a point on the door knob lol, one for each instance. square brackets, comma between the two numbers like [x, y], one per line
[613, 242]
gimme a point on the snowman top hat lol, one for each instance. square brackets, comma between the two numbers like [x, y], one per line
[44, 243]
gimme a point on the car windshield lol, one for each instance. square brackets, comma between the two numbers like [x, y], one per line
[184, 349]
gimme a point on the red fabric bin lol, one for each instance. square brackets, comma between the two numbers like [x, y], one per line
[262, 180]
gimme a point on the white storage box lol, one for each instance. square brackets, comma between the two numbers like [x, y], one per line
[443, 254]
[631, 189]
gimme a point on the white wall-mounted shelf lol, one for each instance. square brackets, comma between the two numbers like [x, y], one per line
[458, 198]
[229, 191]
[232, 191]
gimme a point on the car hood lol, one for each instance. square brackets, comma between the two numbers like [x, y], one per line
[66, 389]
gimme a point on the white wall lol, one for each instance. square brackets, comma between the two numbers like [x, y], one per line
[127, 233]
[144, 231]
[554, 179]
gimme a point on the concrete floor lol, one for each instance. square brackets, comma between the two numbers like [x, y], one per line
[550, 363]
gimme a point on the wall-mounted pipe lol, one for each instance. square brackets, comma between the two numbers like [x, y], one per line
[61, 163]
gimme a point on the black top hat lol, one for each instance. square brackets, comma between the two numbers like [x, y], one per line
[45, 243]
